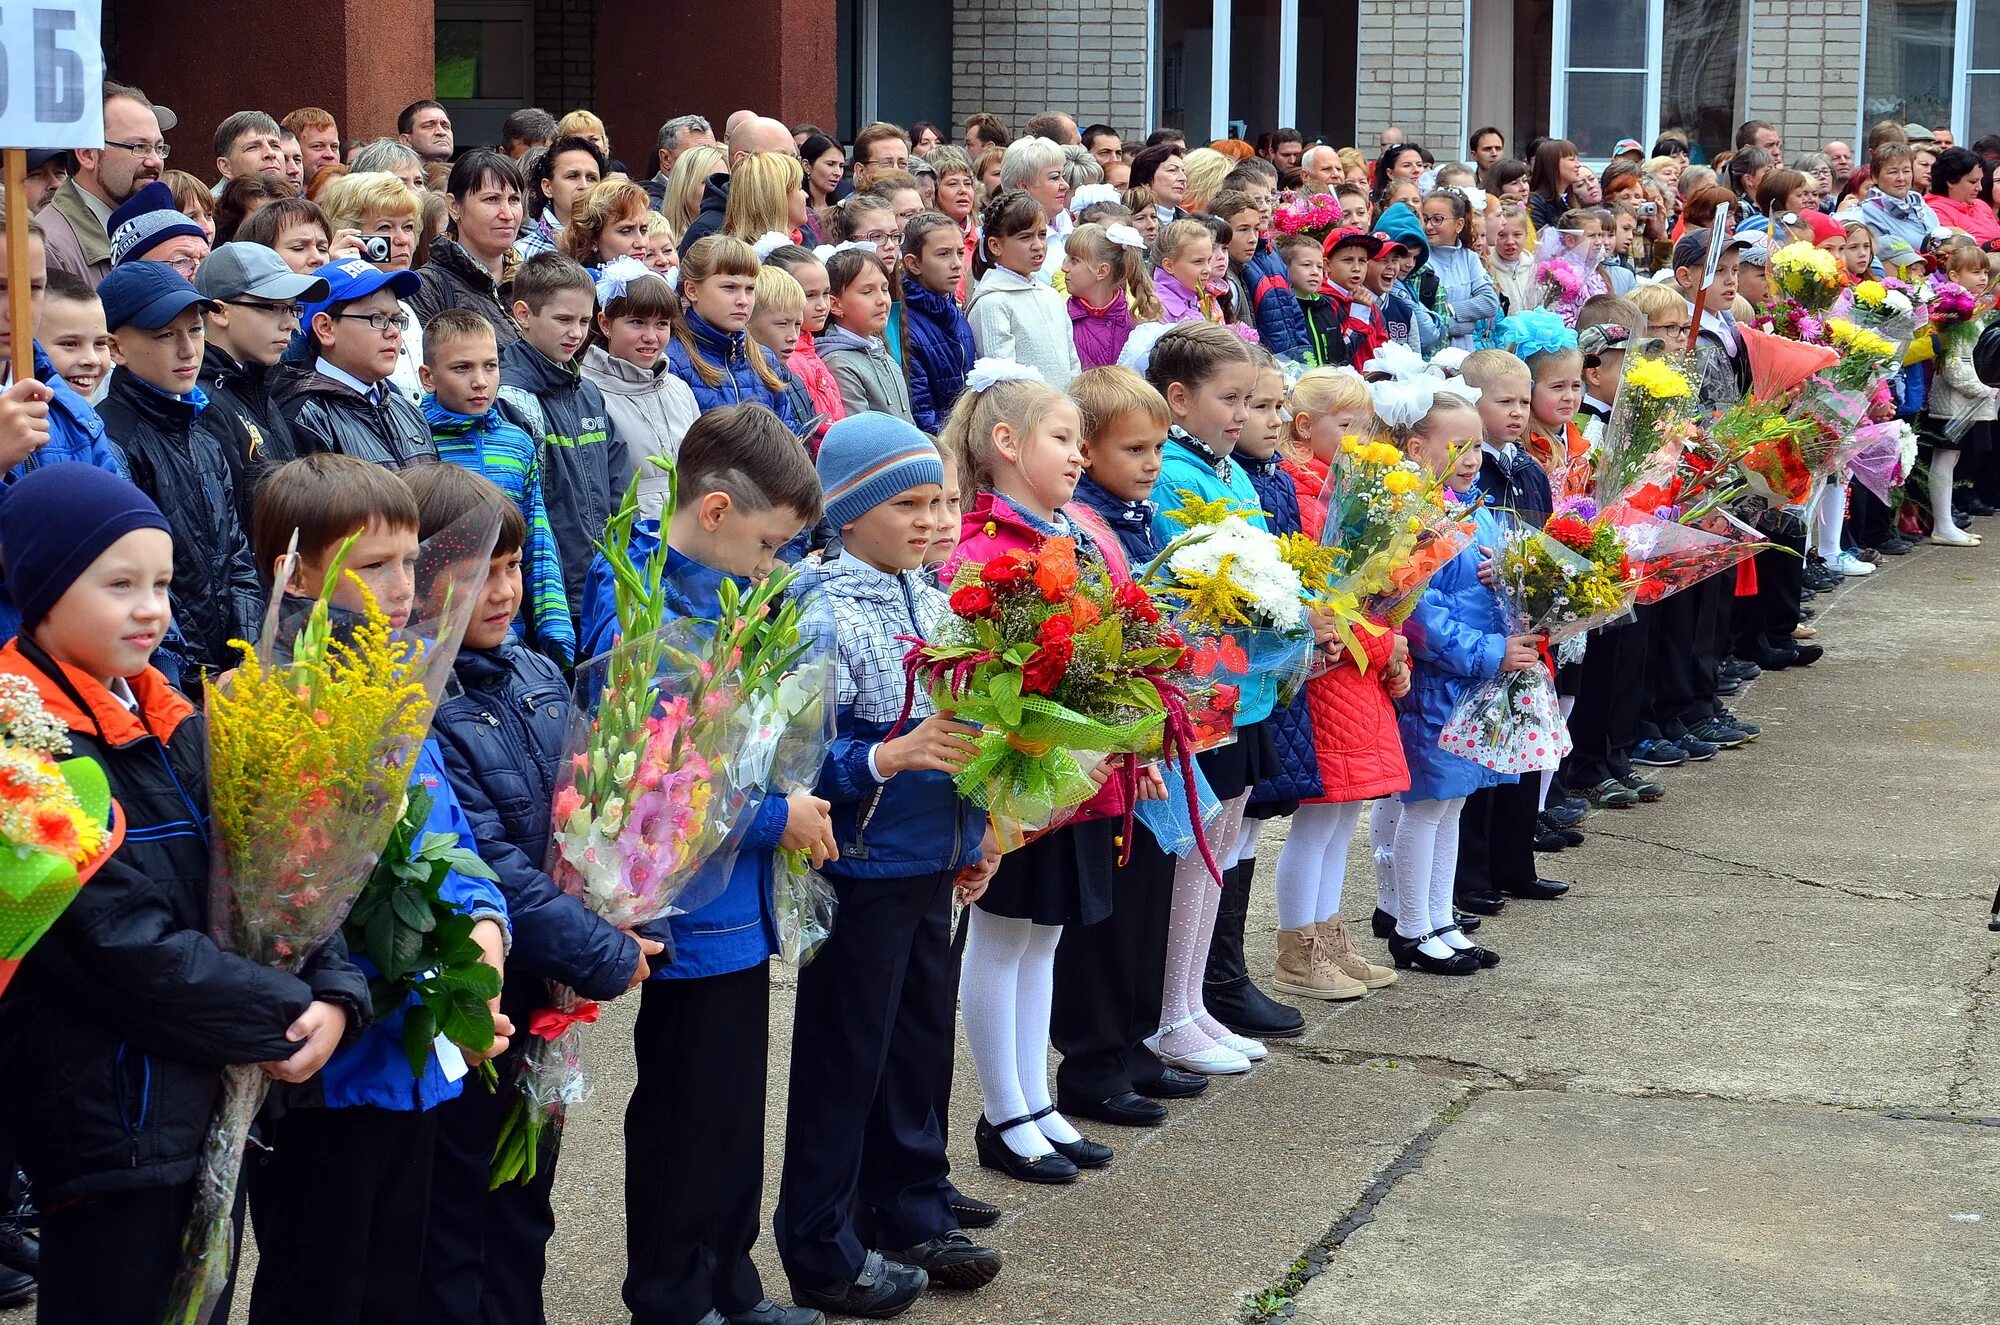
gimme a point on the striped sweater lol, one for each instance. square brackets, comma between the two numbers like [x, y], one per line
[489, 445]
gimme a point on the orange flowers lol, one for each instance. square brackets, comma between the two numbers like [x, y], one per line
[1055, 569]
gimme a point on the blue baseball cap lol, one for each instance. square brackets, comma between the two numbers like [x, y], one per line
[147, 295]
[352, 278]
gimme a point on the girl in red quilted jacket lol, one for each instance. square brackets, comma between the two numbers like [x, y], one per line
[1353, 724]
[1021, 447]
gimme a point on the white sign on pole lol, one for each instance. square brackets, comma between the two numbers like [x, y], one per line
[51, 73]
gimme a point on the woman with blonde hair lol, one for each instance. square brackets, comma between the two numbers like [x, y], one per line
[607, 222]
[583, 124]
[682, 200]
[374, 203]
[767, 196]
[1206, 169]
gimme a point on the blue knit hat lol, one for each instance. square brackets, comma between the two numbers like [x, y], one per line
[866, 459]
[57, 519]
[146, 220]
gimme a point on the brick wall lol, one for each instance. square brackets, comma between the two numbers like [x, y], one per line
[1412, 62]
[1805, 57]
[565, 31]
[1016, 59]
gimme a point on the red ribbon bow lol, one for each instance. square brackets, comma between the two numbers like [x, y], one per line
[551, 1022]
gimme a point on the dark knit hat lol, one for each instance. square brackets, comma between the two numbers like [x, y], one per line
[146, 220]
[55, 521]
[865, 459]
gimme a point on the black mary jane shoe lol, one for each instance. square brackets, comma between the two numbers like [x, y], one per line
[1082, 1152]
[1409, 952]
[1468, 923]
[1486, 957]
[996, 1154]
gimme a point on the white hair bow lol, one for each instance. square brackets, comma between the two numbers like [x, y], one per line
[1089, 195]
[768, 243]
[616, 275]
[1460, 389]
[1124, 236]
[825, 252]
[1477, 197]
[989, 373]
[1399, 362]
[1138, 351]
[1403, 402]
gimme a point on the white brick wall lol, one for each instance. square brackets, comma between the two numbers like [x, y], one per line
[1412, 61]
[1804, 71]
[1019, 59]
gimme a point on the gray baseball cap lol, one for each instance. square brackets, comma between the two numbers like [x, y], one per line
[237, 269]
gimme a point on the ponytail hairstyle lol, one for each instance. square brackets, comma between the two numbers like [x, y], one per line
[1177, 236]
[1011, 212]
[1092, 242]
[919, 229]
[1192, 353]
[1019, 403]
[719, 255]
[1318, 393]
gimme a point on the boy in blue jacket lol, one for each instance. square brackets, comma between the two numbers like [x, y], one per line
[501, 732]
[344, 1172]
[873, 1030]
[694, 1130]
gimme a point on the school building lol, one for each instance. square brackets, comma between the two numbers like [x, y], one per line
[1591, 70]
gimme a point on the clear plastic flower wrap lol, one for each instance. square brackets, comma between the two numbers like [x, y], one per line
[1390, 528]
[1651, 423]
[311, 741]
[1883, 456]
[1668, 556]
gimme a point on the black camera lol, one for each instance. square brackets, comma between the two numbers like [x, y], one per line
[375, 248]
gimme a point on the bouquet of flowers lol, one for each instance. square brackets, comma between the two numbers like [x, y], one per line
[58, 822]
[673, 735]
[1387, 523]
[1887, 308]
[1604, 591]
[311, 742]
[1767, 445]
[1651, 422]
[1052, 660]
[1866, 355]
[1314, 214]
[1883, 457]
[1566, 270]
[1805, 281]
[1224, 575]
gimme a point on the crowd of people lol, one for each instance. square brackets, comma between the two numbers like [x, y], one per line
[896, 358]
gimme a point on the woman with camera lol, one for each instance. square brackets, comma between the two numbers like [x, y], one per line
[383, 214]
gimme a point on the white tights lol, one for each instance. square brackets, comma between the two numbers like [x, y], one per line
[1829, 511]
[1425, 865]
[1006, 990]
[1382, 821]
[1312, 867]
[1944, 463]
[1186, 1027]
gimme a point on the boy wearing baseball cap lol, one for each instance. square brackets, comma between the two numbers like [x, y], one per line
[343, 403]
[1362, 330]
[1722, 365]
[177, 456]
[256, 301]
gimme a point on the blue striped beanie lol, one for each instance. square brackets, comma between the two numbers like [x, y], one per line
[866, 459]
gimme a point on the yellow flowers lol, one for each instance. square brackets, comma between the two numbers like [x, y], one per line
[1314, 562]
[1194, 512]
[1371, 453]
[1401, 482]
[1870, 292]
[1859, 340]
[1802, 258]
[1657, 378]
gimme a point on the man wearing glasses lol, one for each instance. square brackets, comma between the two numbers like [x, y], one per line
[344, 403]
[76, 222]
[254, 314]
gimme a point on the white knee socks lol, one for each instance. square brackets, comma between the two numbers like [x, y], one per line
[1426, 860]
[1190, 930]
[1944, 463]
[1382, 820]
[1004, 996]
[1312, 867]
[1829, 511]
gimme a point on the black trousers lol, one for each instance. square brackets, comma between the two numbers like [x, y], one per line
[486, 1252]
[1767, 621]
[1716, 600]
[1496, 837]
[1676, 667]
[1600, 720]
[110, 1260]
[872, 1031]
[694, 1147]
[346, 1188]
[1109, 981]
[1869, 520]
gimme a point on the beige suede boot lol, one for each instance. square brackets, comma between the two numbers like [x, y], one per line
[1304, 971]
[1337, 945]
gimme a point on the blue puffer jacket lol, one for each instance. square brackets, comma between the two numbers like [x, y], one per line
[1457, 635]
[729, 351]
[937, 354]
[739, 928]
[1184, 469]
[1131, 521]
[1290, 726]
[502, 733]
[1281, 321]
[374, 1070]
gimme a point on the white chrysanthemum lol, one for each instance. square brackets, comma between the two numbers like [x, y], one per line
[1276, 596]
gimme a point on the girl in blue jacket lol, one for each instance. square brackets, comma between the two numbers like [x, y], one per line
[712, 352]
[1458, 637]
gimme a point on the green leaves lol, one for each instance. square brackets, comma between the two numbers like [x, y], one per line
[1004, 694]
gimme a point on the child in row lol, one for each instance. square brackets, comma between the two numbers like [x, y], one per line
[712, 350]
[1110, 290]
[938, 342]
[852, 348]
[1447, 217]
[650, 408]
[1014, 316]
[873, 1030]
[776, 322]
[804, 361]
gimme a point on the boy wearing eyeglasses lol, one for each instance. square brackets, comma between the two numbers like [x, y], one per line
[257, 306]
[343, 403]
[178, 456]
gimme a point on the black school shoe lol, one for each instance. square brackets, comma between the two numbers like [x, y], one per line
[768, 1312]
[883, 1289]
[953, 1261]
[1128, 1109]
[1548, 837]
[1536, 890]
[970, 1211]
[1172, 1084]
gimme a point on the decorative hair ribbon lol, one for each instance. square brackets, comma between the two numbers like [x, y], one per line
[1089, 195]
[826, 252]
[1404, 401]
[1537, 331]
[616, 275]
[989, 373]
[1124, 236]
[768, 243]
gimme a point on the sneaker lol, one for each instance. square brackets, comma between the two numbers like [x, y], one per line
[883, 1288]
[1576, 804]
[1742, 669]
[1568, 812]
[1895, 546]
[1698, 751]
[1717, 732]
[1751, 731]
[1821, 579]
[1659, 754]
[1725, 684]
[1644, 790]
[1849, 564]
[1612, 794]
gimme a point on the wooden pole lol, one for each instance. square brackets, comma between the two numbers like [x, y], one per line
[20, 315]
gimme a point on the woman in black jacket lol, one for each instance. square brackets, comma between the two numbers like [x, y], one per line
[469, 265]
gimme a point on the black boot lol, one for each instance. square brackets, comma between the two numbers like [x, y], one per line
[1225, 987]
[19, 1248]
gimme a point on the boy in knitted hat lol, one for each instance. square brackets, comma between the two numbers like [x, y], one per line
[873, 1026]
[129, 1004]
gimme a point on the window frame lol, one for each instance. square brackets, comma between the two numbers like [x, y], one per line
[1560, 70]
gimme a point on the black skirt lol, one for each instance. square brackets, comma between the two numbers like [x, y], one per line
[1060, 878]
[1233, 769]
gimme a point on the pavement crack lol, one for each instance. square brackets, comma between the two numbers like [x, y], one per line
[1979, 995]
[1481, 1076]
[1744, 868]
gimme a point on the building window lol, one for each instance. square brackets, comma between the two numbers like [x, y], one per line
[1982, 74]
[1603, 74]
[1909, 68]
[483, 56]
[1701, 83]
[1635, 69]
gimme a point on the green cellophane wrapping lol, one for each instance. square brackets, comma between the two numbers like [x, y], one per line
[1026, 769]
[36, 887]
